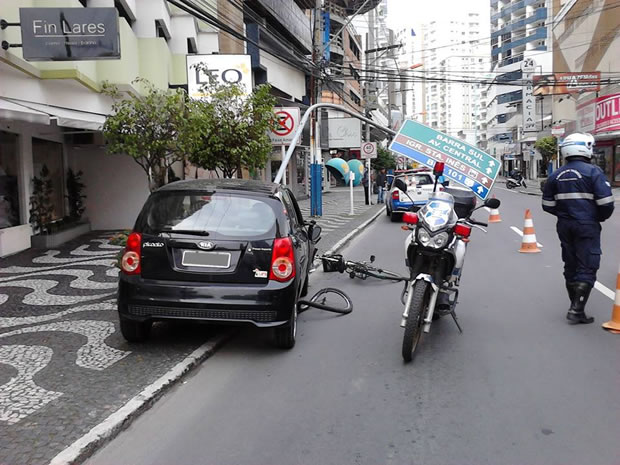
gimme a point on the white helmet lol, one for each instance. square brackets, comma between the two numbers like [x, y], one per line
[577, 145]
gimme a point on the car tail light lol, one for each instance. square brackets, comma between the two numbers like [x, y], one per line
[462, 230]
[282, 260]
[395, 195]
[410, 218]
[130, 262]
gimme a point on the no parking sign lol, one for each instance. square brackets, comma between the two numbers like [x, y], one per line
[286, 121]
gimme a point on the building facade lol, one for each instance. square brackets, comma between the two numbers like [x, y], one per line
[586, 38]
[51, 113]
[519, 31]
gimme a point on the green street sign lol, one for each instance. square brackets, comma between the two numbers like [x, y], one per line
[464, 163]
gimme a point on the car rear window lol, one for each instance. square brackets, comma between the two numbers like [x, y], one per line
[215, 214]
[417, 179]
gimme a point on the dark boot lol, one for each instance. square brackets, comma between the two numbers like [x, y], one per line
[576, 314]
[570, 287]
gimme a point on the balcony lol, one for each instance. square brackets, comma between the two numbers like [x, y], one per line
[540, 33]
[539, 15]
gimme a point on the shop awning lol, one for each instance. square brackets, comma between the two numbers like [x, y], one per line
[10, 110]
[69, 117]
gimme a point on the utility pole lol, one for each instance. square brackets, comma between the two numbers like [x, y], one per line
[390, 87]
[315, 97]
[370, 44]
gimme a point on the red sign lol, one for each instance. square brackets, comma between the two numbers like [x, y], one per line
[607, 116]
[567, 83]
[284, 123]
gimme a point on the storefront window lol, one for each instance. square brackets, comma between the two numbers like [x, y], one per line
[50, 154]
[617, 165]
[603, 158]
[9, 194]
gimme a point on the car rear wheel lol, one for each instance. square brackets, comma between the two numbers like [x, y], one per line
[395, 217]
[284, 336]
[304, 290]
[135, 331]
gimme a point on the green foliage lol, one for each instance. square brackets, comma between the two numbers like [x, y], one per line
[120, 238]
[232, 128]
[548, 148]
[40, 202]
[156, 129]
[384, 160]
[74, 195]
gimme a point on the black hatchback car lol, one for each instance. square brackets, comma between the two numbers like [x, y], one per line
[227, 250]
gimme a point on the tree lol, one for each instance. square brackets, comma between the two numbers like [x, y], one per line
[384, 159]
[233, 128]
[156, 129]
[548, 148]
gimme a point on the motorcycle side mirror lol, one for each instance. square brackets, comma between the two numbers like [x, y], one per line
[445, 183]
[372, 259]
[492, 203]
[400, 184]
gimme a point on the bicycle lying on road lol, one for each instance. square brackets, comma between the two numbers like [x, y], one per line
[362, 270]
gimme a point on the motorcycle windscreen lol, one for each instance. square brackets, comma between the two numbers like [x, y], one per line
[437, 214]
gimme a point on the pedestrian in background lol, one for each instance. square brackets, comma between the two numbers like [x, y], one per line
[381, 178]
[580, 196]
[365, 186]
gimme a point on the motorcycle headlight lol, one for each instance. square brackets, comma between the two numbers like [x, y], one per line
[424, 237]
[436, 242]
[440, 240]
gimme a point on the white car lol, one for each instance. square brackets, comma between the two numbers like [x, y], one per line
[420, 185]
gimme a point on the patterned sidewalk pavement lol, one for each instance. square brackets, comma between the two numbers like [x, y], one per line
[64, 366]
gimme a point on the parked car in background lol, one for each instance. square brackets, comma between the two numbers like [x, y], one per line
[420, 184]
[233, 251]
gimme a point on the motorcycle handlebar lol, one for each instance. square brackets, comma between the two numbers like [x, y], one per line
[479, 223]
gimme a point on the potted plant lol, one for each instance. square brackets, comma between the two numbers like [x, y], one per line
[50, 232]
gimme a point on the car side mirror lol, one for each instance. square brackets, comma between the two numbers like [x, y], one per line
[400, 184]
[315, 233]
[492, 203]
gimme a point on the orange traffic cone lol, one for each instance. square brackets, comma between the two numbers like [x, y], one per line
[494, 215]
[613, 325]
[529, 244]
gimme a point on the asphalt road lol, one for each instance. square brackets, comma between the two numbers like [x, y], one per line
[520, 385]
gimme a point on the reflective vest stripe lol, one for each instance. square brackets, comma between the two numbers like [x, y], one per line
[605, 200]
[548, 203]
[574, 196]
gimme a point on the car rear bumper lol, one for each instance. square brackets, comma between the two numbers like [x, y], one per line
[265, 305]
[407, 206]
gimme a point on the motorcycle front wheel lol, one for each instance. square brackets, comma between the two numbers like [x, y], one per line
[509, 185]
[418, 301]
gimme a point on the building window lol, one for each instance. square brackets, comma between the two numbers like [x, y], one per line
[353, 47]
[191, 45]
[161, 31]
[123, 12]
[354, 98]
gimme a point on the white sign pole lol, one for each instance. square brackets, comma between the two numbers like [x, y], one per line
[351, 178]
[284, 155]
[369, 184]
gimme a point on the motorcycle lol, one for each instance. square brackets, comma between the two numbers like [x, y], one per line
[516, 180]
[435, 254]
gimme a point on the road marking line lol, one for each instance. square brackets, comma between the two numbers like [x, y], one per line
[520, 233]
[598, 286]
[605, 290]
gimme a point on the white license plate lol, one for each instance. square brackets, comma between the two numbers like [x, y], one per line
[206, 259]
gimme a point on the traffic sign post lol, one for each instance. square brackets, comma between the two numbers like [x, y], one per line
[368, 150]
[286, 120]
[464, 163]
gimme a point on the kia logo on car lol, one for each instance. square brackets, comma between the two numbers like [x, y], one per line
[206, 245]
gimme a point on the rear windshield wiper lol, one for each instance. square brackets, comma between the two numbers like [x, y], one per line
[185, 231]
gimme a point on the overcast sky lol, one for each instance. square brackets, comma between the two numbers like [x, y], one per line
[412, 13]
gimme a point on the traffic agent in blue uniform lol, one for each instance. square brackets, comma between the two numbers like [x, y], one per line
[580, 196]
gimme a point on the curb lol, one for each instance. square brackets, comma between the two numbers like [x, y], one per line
[109, 428]
[346, 239]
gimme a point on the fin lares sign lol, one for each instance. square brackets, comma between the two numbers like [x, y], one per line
[69, 34]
